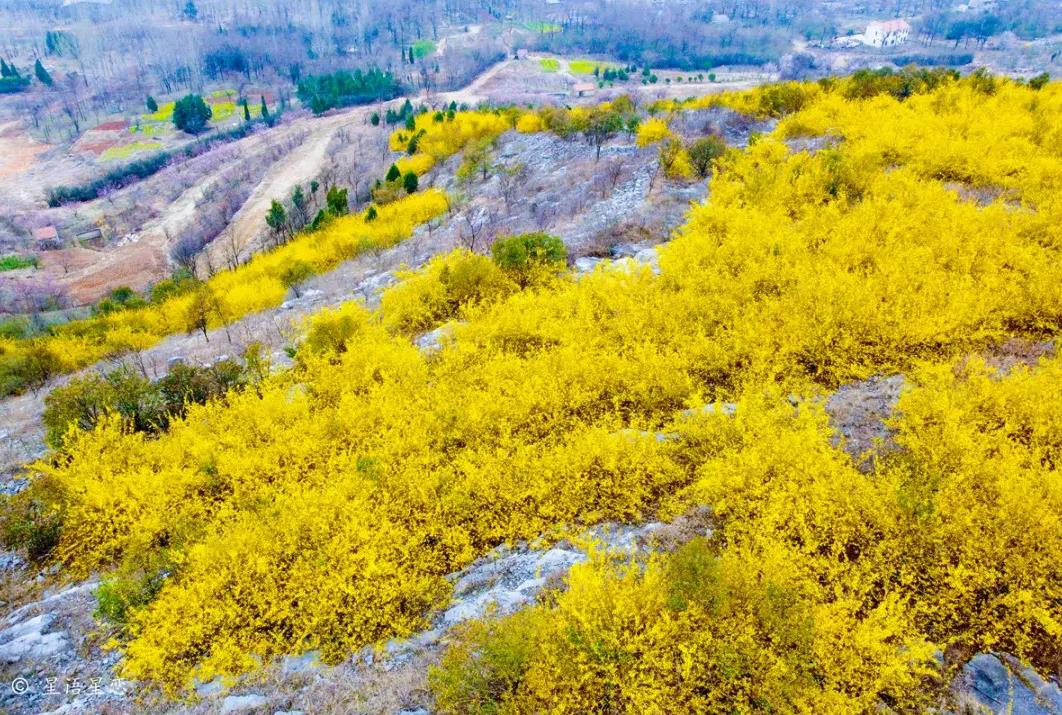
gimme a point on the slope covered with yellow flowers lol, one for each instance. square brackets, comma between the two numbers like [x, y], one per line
[222, 299]
[323, 509]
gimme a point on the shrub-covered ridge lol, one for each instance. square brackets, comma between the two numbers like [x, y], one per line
[324, 509]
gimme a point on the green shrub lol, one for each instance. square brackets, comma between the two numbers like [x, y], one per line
[32, 519]
[704, 152]
[119, 595]
[12, 263]
[524, 256]
[144, 406]
[295, 275]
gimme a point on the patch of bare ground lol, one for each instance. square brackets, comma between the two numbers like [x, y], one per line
[18, 150]
[858, 412]
[983, 195]
[1017, 352]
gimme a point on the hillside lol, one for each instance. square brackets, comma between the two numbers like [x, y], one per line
[561, 426]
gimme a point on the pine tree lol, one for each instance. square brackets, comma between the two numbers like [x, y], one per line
[246, 110]
[370, 215]
[393, 174]
[265, 109]
[191, 114]
[42, 74]
[152, 105]
[5, 69]
[410, 182]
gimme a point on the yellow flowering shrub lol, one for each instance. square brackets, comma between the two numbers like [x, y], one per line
[445, 288]
[652, 131]
[419, 164]
[325, 508]
[821, 589]
[529, 123]
[440, 140]
[690, 632]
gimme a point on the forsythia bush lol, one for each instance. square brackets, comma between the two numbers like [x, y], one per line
[821, 589]
[652, 131]
[445, 288]
[325, 508]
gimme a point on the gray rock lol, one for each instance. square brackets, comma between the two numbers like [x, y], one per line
[726, 409]
[293, 664]
[1000, 684]
[240, 703]
[11, 562]
[414, 711]
[586, 264]
[505, 581]
[28, 639]
[211, 687]
[432, 341]
[649, 257]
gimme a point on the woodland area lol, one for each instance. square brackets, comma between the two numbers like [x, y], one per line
[108, 55]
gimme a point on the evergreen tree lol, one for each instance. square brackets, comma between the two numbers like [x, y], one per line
[152, 105]
[191, 114]
[246, 110]
[191, 12]
[5, 69]
[393, 174]
[375, 119]
[265, 109]
[336, 199]
[277, 218]
[370, 215]
[410, 182]
[42, 74]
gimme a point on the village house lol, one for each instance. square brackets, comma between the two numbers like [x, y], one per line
[887, 34]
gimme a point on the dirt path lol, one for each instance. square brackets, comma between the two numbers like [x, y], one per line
[473, 93]
[297, 167]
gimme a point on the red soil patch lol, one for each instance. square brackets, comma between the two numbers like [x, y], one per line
[17, 150]
[97, 147]
[113, 125]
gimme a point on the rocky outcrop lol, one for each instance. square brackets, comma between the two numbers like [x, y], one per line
[1001, 685]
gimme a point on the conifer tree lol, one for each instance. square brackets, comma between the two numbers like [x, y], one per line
[42, 74]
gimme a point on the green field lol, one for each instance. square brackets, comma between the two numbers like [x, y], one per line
[124, 151]
[423, 48]
[544, 28]
[151, 129]
[549, 64]
[588, 66]
[224, 110]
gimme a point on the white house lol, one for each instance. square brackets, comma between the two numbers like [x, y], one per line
[887, 34]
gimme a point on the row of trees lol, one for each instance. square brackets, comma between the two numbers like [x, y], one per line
[343, 89]
[303, 209]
